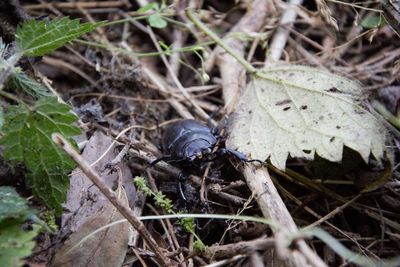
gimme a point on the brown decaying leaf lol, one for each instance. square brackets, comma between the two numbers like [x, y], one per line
[104, 248]
[88, 210]
[84, 199]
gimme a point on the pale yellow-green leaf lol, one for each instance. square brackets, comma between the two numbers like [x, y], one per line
[300, 111]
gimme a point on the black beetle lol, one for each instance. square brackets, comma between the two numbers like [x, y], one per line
[189, 142]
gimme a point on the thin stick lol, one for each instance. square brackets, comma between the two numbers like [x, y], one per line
[11, 97]
[242, 247]
[112, 197]
[280, 38]
[334, 212]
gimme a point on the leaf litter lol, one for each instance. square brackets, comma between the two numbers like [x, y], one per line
[368, 225]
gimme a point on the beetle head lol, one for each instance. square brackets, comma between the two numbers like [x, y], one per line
[197, 150]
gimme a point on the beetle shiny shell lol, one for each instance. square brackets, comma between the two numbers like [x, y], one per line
[187, 140]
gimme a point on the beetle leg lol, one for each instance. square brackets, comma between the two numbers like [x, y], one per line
[182, 177]
[163, 158]
[239, 155]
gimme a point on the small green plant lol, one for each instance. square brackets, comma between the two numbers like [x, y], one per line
[26, 129]
[26, 139]
[155, 20]
[373, 21]
[162, 201]
[37, 38]
[15, 243]
[49, 219]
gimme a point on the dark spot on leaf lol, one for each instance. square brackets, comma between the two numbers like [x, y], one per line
[285, 109]
[334, 90]
[338, 127]
[359, 111]
[250, 111]
[291, 74]
[332, 139]
[321, 117]
[262, 90]
[303, 107]
[307, 151]
[283, 102]
[248, 143]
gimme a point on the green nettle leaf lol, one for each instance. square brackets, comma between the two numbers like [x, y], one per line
[15, 244]
[27, 139]
[298, 111]
[36, 38]
[156, 21]
[12, 205]
[23, 82]
[1, 117]
[2, 50]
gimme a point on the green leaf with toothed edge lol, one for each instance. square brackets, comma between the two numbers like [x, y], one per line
[27, 140]
[37, 38]
[1, 117]
[21, 81]
[298, 111]
[12, 206]
[15, 244]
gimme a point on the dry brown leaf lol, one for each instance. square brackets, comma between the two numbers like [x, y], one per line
[104, 248]
[84, 199]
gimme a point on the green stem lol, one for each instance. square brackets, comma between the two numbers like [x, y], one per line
[176, 22]
[123, 20]
[386, 114]
[215, 38]
[164, 16]
[11, 97]
[119, 50]
[150, 54]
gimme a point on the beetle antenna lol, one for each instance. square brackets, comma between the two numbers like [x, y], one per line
[210, 122]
